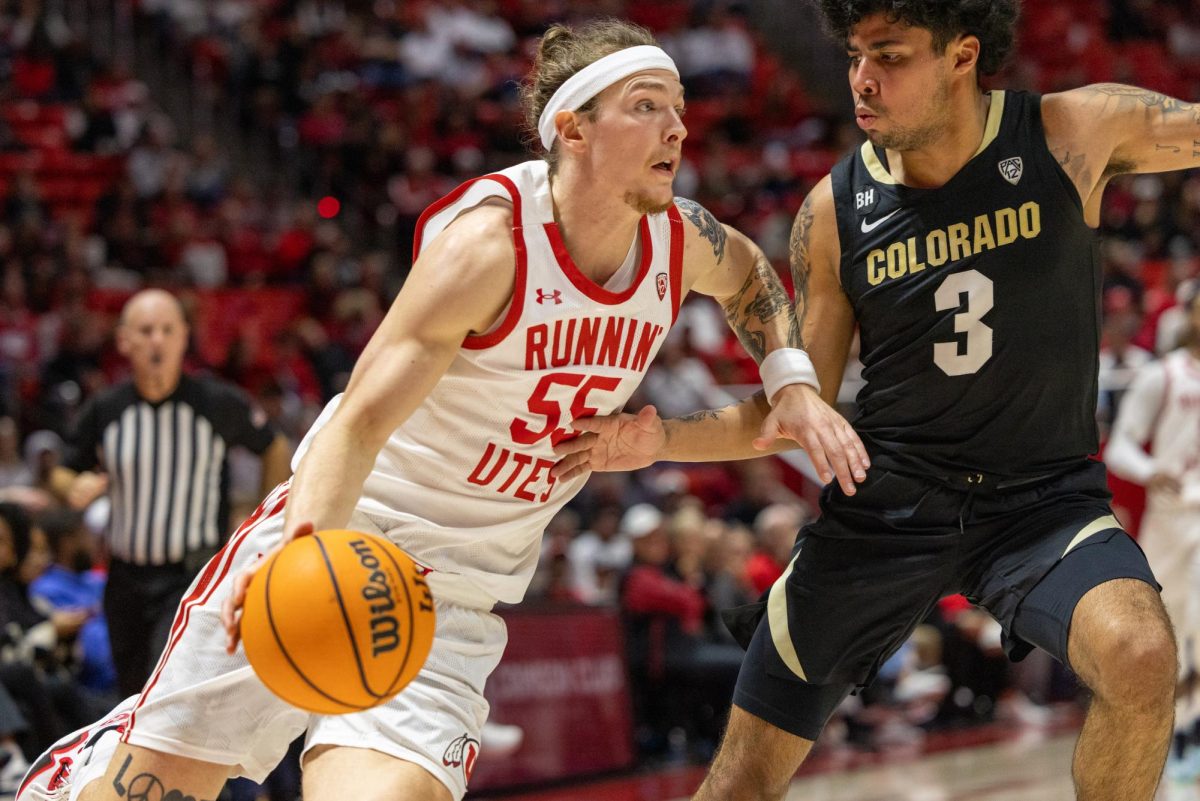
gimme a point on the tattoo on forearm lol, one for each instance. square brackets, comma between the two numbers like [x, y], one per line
[1168, 148]
[801, 269]
[707, 224]
[145, 787]
[705, 414]
[769, 301]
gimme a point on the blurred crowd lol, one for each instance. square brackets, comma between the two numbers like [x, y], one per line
[286, 226]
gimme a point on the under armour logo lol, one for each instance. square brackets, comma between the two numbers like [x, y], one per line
[543, 296]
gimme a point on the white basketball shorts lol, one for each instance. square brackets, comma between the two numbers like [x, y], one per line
[205, 704]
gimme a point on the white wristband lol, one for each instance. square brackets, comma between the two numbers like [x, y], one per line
[787, 366]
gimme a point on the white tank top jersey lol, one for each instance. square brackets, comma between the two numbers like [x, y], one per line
[467, 477]
[1162, 408]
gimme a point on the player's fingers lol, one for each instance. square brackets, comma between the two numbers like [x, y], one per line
[301, 530]
[233, 604]
[646, 417]
[839, 459]
[767, 435]
[816, 453]
[860, 450]
[580, 444]
[594, 425]
[848, 447]
[570, 466]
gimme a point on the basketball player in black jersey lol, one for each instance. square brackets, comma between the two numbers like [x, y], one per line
[958, 240]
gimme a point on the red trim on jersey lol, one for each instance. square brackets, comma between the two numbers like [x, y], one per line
[676, 259]
[515, 306]
[205, 587]
[586, 285]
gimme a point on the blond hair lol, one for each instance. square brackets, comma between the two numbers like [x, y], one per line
[564, 51]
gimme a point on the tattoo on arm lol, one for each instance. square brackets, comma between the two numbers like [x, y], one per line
[769, 301]
[801, 269]
[1164, 108]
[704, 414]
[707, 224]
[1146, 97]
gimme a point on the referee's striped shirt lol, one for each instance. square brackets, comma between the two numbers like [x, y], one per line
[167, 474]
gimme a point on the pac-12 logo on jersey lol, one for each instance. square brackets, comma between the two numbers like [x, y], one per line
[865, 200]
[660, 281]
[1012, 169]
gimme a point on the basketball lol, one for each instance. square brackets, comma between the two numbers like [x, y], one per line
[337, 622]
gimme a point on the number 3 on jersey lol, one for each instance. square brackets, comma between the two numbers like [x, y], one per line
[979, 291]
[542, 405]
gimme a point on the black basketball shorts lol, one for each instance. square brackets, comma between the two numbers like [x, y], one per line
[873, 566]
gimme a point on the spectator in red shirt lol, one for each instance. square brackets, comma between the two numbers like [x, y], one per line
[775, 527]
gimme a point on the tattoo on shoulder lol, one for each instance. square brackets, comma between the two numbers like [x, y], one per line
[707, 224]
[801, 268]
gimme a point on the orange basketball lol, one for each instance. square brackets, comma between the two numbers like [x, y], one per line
[338, 622]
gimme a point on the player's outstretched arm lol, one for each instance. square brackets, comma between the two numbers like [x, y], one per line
[461, 283]
[1107, 129]
[725, 264]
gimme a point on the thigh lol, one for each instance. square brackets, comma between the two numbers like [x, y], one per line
[1044, 616]
[435, 722]
[375, 776]
[141, 773]
[1121, 638]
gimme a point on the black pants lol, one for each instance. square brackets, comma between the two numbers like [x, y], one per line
[140, 603]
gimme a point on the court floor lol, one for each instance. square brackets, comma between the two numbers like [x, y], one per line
[1025, 766]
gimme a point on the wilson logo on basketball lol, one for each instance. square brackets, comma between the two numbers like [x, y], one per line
[385, 629]
[462, 752]
[338, 621]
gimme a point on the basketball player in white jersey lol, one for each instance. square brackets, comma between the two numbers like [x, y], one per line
[1162, 409]
[539, 295]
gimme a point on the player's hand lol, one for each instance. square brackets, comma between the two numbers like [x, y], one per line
[231, 617]
[616, 442]
[800, 415]
[1164, 482]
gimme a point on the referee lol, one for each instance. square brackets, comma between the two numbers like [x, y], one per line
[157, 444]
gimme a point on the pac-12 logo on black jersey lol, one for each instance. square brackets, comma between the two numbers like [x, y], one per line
[865, 199]
[1012, 170]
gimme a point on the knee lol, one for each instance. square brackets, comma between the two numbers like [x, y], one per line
[1135, 665]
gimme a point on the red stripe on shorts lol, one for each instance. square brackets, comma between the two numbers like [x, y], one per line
[206, 587]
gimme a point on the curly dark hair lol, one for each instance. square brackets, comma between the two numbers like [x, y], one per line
[993, 22]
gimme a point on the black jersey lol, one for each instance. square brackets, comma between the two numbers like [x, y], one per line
[166, 465]
[978, 304]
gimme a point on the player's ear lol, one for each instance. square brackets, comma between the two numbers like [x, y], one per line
[569, 132]
[965, 50]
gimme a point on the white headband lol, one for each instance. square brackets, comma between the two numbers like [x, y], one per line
[595, 78]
